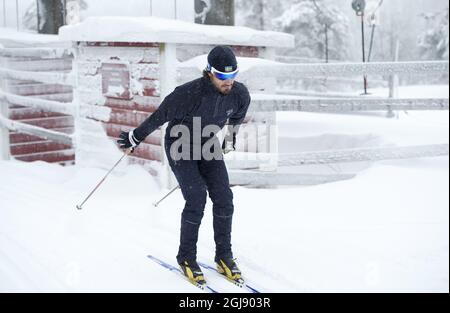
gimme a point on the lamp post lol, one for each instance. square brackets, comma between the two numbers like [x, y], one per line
[17, 15]
[373, 8]
[359, 7]
[4, 13]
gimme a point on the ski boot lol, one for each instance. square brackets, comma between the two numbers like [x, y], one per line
[228, 268]
[193, 273]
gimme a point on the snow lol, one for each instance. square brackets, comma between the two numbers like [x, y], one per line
[385, 230]
[409, 128]
[22, 38]
[94, 148]
[393, 238]
[154, 29]
[416, 91]
[245, 64]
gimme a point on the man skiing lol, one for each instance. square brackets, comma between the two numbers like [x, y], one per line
[213, 100]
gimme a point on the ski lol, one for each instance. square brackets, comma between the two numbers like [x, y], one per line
[241, 283]
[178, 272]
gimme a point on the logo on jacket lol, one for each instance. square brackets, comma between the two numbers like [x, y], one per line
[229, 112]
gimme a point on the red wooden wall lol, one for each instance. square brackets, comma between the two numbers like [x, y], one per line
[26, 147]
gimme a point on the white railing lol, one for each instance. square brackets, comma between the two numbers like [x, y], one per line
[346, 69]
[347, 104]
[60, 78]
[72, 109]
[45, 105]
[267, 179]
[296, 71]
[37, 131]
[41, 77]
[40, 53]
[255, 161]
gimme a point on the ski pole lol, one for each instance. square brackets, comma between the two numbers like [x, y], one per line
[157, 203]
[127, 152]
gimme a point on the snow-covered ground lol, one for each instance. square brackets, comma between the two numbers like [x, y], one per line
[386, 230]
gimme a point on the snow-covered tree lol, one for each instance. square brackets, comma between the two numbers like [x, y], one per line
[214, 12]
[314, 24]
[433, 42]
[258, 14]
[30, 18]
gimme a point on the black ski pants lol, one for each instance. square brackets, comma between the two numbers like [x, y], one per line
[196, 178]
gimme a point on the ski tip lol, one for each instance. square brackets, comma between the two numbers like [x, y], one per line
[204, 287]
[239, 283]
[211, 290]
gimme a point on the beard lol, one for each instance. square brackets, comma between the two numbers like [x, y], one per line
[222, 88]
[225, 89]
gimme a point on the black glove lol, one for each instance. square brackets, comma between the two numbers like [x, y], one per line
[127, 140]
[229, 143]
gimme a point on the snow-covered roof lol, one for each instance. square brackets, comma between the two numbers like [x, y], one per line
[154, 29]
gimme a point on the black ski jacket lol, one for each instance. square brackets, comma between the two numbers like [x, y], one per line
[198, 98]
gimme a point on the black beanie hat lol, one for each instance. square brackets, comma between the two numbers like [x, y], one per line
[222, 58]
